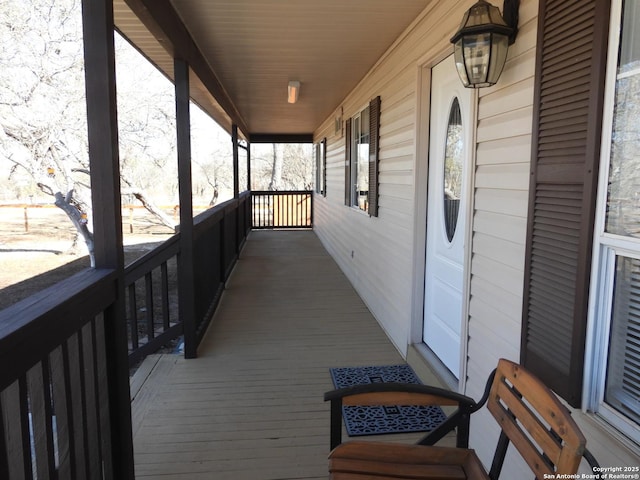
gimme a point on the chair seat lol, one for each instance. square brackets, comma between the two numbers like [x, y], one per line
[380, 460]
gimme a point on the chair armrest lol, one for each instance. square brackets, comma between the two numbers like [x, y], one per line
[591, 460]
[389, 393]
[403, 394]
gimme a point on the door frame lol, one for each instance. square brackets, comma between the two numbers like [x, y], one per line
[422, 128]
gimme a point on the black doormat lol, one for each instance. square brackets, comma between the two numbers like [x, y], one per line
[379, 420]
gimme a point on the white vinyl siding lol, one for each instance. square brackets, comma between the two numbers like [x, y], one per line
[381, 280]
[380, 267]
[500, 225]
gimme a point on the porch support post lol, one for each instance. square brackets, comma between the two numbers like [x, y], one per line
[236, 162]
[248, 166]
[186, 259]
[102, 124]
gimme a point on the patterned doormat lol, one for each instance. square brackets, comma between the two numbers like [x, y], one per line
[379, 420]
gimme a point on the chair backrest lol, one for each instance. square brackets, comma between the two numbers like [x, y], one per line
[535, 422]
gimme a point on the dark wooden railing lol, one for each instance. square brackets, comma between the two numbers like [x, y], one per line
[60, 395]
[286, 209]
[55, 399]
[218, 237]
[152, 296]
[152, 283]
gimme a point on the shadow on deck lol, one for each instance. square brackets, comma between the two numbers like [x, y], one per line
[250, 406]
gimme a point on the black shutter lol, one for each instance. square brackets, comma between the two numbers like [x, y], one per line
[568, 103]
[374, 149]
[324, 167]
[318, 187]
[347, 163]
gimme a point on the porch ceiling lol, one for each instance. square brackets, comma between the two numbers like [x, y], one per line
[254, 47]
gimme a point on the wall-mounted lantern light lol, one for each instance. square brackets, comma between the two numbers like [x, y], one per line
[481, 43]
[293, 91]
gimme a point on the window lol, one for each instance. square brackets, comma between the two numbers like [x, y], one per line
[361, 165]
[616, 361]
[453, 167]
[321, 167]
[359, 161]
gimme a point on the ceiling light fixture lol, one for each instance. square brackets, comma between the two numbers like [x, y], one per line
[293, 91]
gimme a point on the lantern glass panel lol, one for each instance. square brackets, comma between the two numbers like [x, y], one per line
[499, 48]
[480, 58]
[459, 61]
[477, 54]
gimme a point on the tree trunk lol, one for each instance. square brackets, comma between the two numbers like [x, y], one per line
[276, 168]
[78, 221]
[153, 209]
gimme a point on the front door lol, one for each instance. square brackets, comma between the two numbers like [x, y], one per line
[449, 164]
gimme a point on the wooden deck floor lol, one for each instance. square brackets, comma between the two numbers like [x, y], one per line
[250, 406]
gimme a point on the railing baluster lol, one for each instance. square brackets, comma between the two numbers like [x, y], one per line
[255, 210]
[14, 409]
[272, 211]
[61, 391]
[260, 208]
[25, 412]
[102, 395]
[164, 272]
[148, 286]
[133, 316]
[286, 201]
[74, 367]
[305, 210]
[91, 401]
[41, 419]
[4, 451]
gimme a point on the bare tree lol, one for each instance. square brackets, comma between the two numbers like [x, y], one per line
[282, 167]
[42, 119]
[212, 158]
[43, 132]
[298, 167]
[147, 131]
[276, 167]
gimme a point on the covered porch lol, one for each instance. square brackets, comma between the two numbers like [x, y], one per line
[250, 406]
[265, 314]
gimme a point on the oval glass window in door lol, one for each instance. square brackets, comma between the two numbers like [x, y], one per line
[453, 169]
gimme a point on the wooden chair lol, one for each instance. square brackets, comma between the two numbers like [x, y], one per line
[529, 414]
